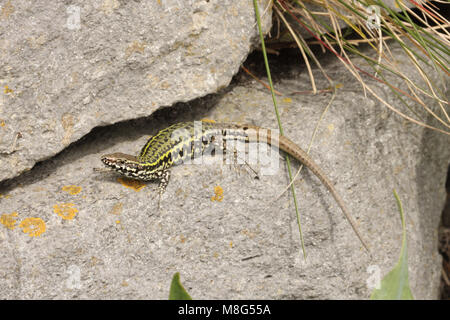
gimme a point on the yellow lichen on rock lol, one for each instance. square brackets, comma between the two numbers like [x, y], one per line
[33, 226]
[65, 210]
[8, 220]
[218, 194]
[72, 189]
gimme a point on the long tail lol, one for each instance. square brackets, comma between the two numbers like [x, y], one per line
[288, 146]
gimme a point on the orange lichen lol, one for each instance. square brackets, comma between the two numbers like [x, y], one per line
[72, 189]
[136, 185]
[8, 220]
[117, 209]
[208, 120]
[33, 226]
[2, 123]
[218, 194]
[287, 100]
[135, 47]
[7, 90]
[65, 210]
[7, 10]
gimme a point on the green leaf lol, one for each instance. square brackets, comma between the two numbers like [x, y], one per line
[177, 291]
[395, 285]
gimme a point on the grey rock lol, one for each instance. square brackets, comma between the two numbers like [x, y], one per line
[119, 245]
[67, 67]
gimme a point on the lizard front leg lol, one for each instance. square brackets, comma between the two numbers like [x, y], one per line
[163, 177]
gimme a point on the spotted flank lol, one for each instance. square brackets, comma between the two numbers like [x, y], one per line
[173, 146]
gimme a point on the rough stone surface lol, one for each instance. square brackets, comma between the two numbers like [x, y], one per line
[119, 245]
[69, 66]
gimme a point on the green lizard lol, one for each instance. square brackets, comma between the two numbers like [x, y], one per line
[186, 140]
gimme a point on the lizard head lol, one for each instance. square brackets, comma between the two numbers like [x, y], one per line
[125, 164]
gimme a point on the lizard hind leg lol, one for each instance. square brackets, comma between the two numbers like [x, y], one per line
[229, 152]
[239, 154]
[238, 157]
[243, 162]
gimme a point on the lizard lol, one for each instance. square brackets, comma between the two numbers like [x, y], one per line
[186, 140]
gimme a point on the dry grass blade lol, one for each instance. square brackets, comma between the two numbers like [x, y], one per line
[421, 33]
[259, 80]
[300, 45]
